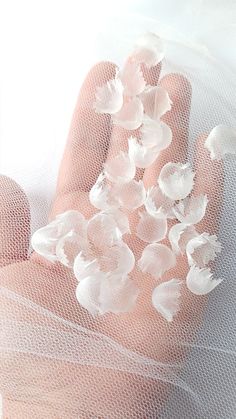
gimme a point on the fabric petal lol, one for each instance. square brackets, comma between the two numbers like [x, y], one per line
[100, 194]
[109, 97]
[156, 101]
[103, 230]
[118, 295]
[88, 293]
[142, 156]
[202, 249]
[149, 49]
[132, 79]
[117, 260]
[200, 281]
[85, 267]
[130, 195]
[151, 229]
[130, 116]
[176, 180]
[191, 210]
[120, 169]
[156, 259]
[121, 219]
[156, 202]
[155, 134]
[221, 141]
[68, 248]
[179, 235]
[165, 298]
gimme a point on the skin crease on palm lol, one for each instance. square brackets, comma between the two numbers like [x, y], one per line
[53, 286]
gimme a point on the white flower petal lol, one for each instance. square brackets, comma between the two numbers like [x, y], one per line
[156, 101]
[165, 298]
[103, 230]
[88, 293]
[191, 210]
[118, 295]
[130, 195]
[130, 116]
[179, 236]
[221, 141]
[121, 219]
[85, 267]
[157, 259]
[132, 79]
[109, 97]
[200, 281]
[202, 249]
[151, 229]
[149, 49]
[157, 203]
[68, 248]
[155, 134]
[120, 169]
[176, 180]
[142, 156]
[117, 260]
[100, 194]
[71, 220]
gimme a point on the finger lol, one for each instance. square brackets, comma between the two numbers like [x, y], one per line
[209, 180]
[179, 90]
[87, 143]
[14, 222]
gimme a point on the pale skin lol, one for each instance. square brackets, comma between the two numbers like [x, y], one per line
[143, 330]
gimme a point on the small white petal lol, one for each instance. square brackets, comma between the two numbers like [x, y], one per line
[142, 156]
[191, 210]
[109, 97]
[202, 249]
[85, 267]
[156, 202]
[130, 116]
[100, 194]
[221, 141]
[157, 259]
[176, 180]
[200, 281]
[117, 260]
[151, 229]
[130, 195]
[132, 79]
[121, 219]
[156, 101]
[118, 295]
[155, 134]
[149, 49]
[165, 298]
[68, 248]
[103, 230]
[120, 169]
[179, 236]
[71, 220]
[88, 293]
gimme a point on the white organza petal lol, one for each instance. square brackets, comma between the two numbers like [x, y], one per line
[200, 281]
[142, 156]
[179, 236]
[71, 220]
[130, 116]
[157, 259]
[88, 293]
[176, 180]
[151, 229]
[202, 249]
[120, 169]
[191, 210]
[132, 79]
[155, 134]
[121, 220]
[109, 97]
[130, 195]
[156, 202]
[156, 101]
[68, 247]
[100, 194]
[165, 298]
[118, 295]
[221, 141]
[117, 260]
[149, 49]
[84, 267]
[103, 230]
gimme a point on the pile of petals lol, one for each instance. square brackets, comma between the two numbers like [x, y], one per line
[96, 249]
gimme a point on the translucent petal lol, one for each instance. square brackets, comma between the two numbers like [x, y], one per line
[68, 248]
[156, 202]
[202, 249]
[71, 220]
[130, 195]
[121, 219]
[118, 259]
[118, 295]
[179, 236]
[151, 228]
[132, 79]
[85, 267]
[120, 169]
[109, 97]
[100, 194]
[142, 156]
[165, 298]
[103, 230]
[156, 101]
[88, 293]
[191, 210]
[149, 49]
[130, 116]
[200, 281]
[155, 134]
[221, 141]
[176, 180]
[157, 259]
